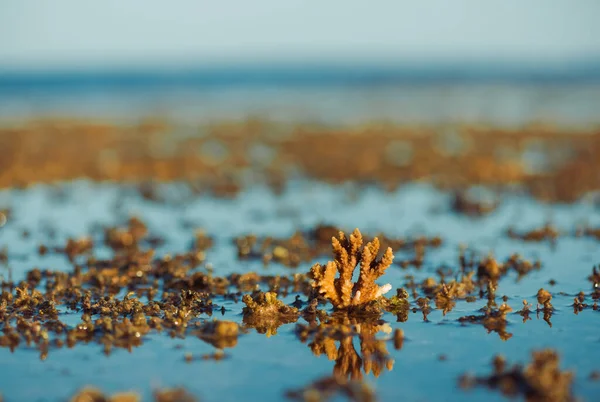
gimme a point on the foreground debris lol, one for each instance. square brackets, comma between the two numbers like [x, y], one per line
[91, 394]
[545, 233]
[540, 381]
[326, 388]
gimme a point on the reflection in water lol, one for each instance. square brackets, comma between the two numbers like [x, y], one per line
[266, 313]
[220, 334]
[335, 339]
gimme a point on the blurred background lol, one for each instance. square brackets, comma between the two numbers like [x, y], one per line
[135, 134]
[505, 62]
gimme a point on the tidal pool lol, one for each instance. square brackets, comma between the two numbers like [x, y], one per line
[435, 351]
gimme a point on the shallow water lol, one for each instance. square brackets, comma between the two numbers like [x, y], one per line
[261, 367]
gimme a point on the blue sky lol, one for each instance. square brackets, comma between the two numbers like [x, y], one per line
[47, 34]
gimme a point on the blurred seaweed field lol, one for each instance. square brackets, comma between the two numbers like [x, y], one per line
[345, 240]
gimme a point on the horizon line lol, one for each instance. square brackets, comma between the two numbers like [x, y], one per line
[290, 74]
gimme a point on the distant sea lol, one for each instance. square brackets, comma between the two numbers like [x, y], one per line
[566, 94]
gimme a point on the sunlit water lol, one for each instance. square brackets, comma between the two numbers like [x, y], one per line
[261, 367]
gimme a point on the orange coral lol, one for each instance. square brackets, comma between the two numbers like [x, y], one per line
[349, 252]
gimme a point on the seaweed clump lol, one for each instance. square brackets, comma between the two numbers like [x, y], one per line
[399, 305]
[91, 394]
[544, 233]
[541, 381]
[544, 298]
[266, 313]
[327, 388]
[290, 251]
[585, 231]
[489, 269]
[494, 320]
[447, 293]
[173, 395]
[349, 252]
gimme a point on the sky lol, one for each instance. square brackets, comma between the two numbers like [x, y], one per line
[46, 34]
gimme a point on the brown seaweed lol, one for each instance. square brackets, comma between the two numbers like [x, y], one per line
[540, 381]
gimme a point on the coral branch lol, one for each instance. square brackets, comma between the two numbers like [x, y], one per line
[349, 252]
